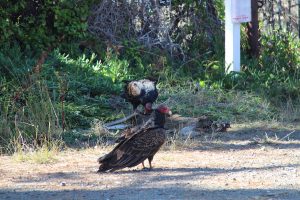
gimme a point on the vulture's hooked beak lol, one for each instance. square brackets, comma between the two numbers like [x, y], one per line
[169, 114]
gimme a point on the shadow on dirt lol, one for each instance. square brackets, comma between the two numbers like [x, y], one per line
[156, 175]
[42, 177]
[259, 132]
[248, 138]
[250, 145]
[201, 171]
[173, 192]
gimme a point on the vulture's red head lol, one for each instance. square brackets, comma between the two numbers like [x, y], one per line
[160, 114]
[164, 109]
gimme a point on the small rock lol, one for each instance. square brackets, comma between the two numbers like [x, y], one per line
[63, 184]
[188, 131]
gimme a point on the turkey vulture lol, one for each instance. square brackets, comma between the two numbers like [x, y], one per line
[137, 129]
[140, 92]
[136, 147]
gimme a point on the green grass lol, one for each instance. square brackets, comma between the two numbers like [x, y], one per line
[266, 90]
[231, 105]
[41, 155]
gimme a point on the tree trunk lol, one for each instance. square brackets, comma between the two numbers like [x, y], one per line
[253, 31]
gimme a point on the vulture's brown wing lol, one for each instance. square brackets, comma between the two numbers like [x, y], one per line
[134, 150]
[126, 134]
[136, 129]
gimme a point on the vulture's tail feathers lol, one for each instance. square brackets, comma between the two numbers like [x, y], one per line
[104, 167]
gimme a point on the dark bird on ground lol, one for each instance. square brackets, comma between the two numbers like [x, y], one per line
[140, 92]
[220, 127]
[204, 123]
[207, 124]
[136, 147]
[127, 133]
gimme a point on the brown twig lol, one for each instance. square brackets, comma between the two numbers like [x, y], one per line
[38, 67]
[62, 99]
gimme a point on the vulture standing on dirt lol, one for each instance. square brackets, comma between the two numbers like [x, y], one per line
[140, 92]
[148, 124]
[136, 147]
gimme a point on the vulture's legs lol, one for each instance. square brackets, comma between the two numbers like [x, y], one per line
[150, 160]
[143, 165]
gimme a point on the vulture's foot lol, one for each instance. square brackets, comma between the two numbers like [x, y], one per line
[146, 169]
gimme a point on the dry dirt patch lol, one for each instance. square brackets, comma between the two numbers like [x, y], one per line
[228, 167]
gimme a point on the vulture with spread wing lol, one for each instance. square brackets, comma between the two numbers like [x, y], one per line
[137, 146]
[148, 124]
[140, 92]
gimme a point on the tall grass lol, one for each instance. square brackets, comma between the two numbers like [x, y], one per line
[69, 91]
[30, 119]
[86, 87]
[41, 155]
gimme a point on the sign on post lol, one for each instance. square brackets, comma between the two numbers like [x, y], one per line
[236, 12]
[241, 11]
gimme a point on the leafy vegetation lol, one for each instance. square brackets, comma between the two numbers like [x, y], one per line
[37, 25]
[79, 85]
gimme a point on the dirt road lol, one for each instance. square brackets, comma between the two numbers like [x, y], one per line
[230, 166]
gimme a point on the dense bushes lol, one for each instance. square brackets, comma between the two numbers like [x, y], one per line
[276, 72]
[31, 104]
[39, 24]
[81, 81]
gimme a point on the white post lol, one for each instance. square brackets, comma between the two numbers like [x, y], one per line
[232, 41]
[236, 12]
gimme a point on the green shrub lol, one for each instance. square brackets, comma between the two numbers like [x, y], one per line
[37, 25]
[31, 104]
[277, 71]
[28, 117]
